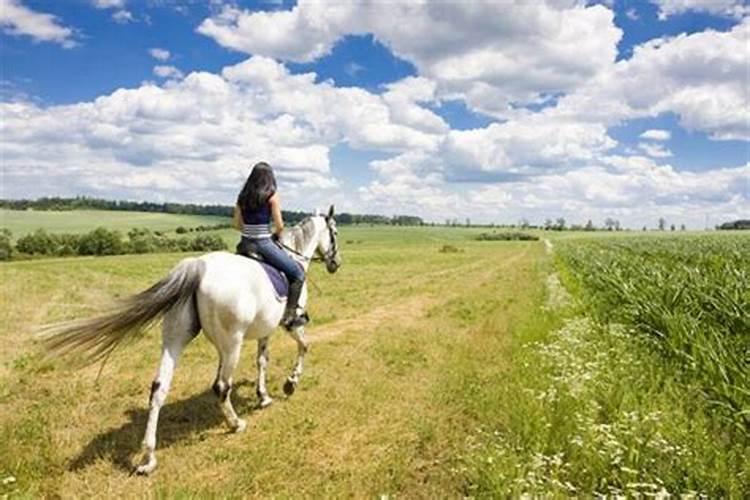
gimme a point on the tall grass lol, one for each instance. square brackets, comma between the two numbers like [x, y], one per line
[688, 296]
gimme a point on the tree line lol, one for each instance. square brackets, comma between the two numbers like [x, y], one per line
[290, 216]
[738, 224]
[102, 241]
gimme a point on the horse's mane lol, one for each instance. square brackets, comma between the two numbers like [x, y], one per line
[300, 234]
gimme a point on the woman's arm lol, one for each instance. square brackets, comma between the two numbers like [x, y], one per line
[278, 221]
[237, 218]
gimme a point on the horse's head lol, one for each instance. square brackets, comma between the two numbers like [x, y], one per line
[328, 246]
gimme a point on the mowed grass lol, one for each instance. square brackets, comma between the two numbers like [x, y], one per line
[21, 222]
[375, 412]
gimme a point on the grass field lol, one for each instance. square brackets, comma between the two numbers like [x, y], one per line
[431, 374]
[21, 222]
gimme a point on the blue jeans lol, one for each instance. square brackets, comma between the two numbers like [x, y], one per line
[274, 255]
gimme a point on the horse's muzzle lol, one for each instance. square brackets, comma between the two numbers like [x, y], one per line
[333, 265]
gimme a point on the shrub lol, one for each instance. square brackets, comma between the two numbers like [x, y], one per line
[449, 249]
[40, 242]
[101, 241]
[207, 243]
[507, 236]
[6, 247]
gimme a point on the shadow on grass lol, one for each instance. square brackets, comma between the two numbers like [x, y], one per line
[177, 421]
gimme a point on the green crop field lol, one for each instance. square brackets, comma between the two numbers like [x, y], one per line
[440, 366]
[21, 222]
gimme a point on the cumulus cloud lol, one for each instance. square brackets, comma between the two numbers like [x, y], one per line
[109, 4]
[656, 134]
[194, 138]
[159, 54]
[491, 54]
[16, 19]
[123, 17]
[728, 8]
[633, 189]
[654, 150]
[701, 77]
[163, 71]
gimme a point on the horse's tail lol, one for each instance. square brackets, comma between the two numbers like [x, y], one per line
[95, 338]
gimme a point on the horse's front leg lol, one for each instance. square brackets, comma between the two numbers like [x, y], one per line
[263, 398]
[298, 334]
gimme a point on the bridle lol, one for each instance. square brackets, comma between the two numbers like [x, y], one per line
[328, 256]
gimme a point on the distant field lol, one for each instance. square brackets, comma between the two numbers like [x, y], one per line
[78, 221]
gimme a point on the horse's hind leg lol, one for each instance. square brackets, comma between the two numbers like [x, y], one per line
[223, 385]
[298, 334]
[180, 327]
[262, 361]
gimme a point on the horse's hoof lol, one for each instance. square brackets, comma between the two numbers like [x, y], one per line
[289, 387]
[240, 426]
[145, 469]
[265, 402]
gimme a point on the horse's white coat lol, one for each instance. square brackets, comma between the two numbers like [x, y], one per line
[235, 301]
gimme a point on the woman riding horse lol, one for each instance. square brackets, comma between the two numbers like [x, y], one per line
[257, 204]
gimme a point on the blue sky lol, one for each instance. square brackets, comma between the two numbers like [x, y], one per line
[497, 111]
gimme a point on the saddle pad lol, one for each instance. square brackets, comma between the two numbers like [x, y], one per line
[278, 280]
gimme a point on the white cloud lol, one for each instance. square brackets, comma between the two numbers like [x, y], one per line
[194, 138]
[16, 19]
[123, 17]
[701, 77]
[159, 54]
[656, 134]
[633, 189]
[729, 8]
[492, 54]
[654, 150]
[109, 4]
[163, 71]
[526, 146]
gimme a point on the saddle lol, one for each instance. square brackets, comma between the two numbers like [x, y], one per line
[278, 279]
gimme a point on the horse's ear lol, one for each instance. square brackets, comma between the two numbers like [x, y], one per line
[330, 212]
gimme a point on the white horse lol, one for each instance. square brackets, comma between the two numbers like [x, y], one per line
[228, 296]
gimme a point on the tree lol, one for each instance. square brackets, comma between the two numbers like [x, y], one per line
[662, 223]
[682, 227]
[672, 227]
[547, 224]
[589, 226]
[610, 223]
[560, 223]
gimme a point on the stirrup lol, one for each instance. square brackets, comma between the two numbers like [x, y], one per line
[297, 321]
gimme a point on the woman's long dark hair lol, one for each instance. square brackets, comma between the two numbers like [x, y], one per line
[260, 185]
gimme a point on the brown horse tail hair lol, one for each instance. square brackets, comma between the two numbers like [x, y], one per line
[95, 338]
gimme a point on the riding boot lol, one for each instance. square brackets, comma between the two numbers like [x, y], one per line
[291, 319]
